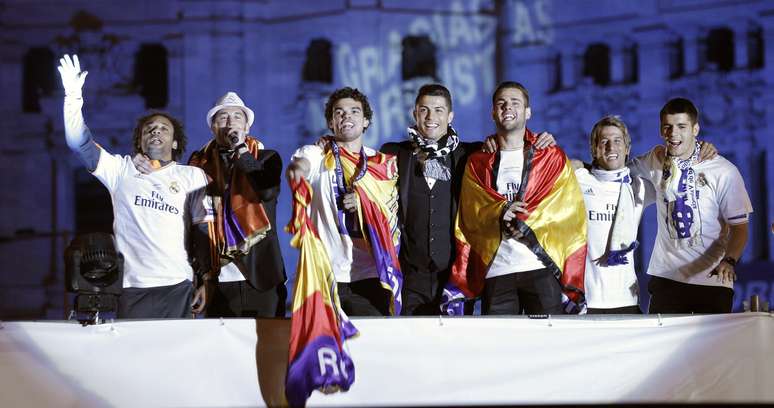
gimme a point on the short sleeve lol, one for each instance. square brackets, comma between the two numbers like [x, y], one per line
[734, 202]
[314, 155]
[110, 168]
[649, 196]
[201, 203]
[645, 166]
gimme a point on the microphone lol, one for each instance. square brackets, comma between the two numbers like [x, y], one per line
[233, 136]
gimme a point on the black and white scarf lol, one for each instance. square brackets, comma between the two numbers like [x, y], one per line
[431, 155]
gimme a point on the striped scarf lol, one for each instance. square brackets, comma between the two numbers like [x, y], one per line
[240, 219]
[678, 184]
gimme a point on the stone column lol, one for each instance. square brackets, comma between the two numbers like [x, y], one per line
[11, 68]
[617, 46]
[569, 64]
[176, 78]
[198, 91]
[741, 57]
[691, 50]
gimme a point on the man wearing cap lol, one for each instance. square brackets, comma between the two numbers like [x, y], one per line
[245, 186]
[155, 214]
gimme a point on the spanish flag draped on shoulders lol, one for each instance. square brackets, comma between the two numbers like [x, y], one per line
[554, 228]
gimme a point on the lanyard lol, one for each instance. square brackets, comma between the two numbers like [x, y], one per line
[347, 222]
[341, 185]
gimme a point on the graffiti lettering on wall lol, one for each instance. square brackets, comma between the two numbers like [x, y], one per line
[465, 40]
[531, 22]
[465, 43]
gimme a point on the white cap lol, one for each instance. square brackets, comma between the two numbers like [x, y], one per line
[230, 99]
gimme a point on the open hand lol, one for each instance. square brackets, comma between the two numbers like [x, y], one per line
[72, 77]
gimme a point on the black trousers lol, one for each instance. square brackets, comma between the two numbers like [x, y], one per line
[173, 301]
[241, 299]
[365, 297]
[422, 290]
[635, 309]
[668, 296]
[530, 292]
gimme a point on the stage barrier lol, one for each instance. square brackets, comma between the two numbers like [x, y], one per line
[405, 361]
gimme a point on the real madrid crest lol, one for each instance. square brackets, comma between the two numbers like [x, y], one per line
[701, 181]
[174, 187]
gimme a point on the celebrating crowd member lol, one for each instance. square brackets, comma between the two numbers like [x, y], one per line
[614, 203]
[430, 167]
[703, 211]
[246, 180]
[354, 206]
[154, 214]
[521, 214]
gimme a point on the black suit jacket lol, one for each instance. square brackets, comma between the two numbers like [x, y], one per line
[405, 152]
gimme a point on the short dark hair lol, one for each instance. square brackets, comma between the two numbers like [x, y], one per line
[514, 85]
[177, 126]
[680, 105]
[348, 92]
[435, 90]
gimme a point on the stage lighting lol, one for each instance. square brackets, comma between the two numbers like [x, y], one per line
[94, 270]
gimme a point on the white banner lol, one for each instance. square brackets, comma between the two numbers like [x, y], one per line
[405, 361]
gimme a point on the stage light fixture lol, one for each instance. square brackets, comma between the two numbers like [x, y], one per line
[94, 271]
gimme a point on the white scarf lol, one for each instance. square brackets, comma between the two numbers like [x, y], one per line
[678, 184]
[623, 232]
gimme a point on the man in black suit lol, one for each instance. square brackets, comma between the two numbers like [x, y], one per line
[430, 168]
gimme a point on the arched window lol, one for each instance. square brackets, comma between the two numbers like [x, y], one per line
[151, 75]
[596, 63]
[418, 57]
[38, 78]
[318, 66]
[720, 48]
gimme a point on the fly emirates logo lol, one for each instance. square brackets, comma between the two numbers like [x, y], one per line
[156, 202]
[607, 215]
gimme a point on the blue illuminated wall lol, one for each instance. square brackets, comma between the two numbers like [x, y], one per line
[580, 60]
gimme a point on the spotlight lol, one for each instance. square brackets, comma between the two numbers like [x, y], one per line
[94, 270]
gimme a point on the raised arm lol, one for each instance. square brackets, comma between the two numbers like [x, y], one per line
[298, 167]
[264, 173]
[77, 135]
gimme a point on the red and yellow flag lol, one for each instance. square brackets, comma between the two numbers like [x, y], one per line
[554, 228]
[317, 358]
